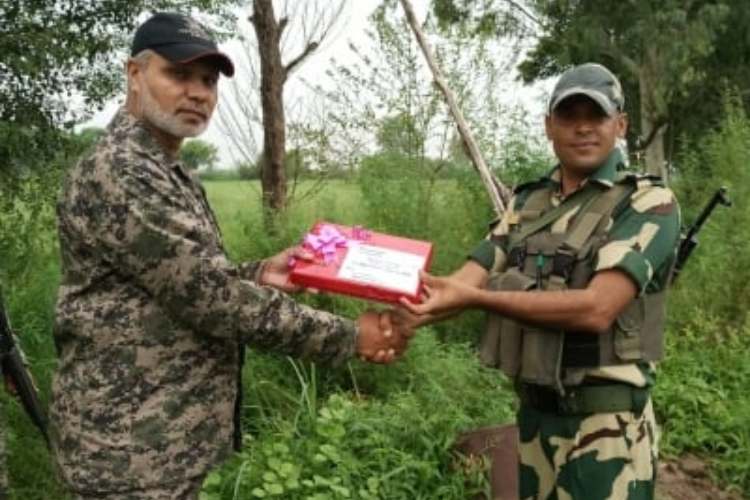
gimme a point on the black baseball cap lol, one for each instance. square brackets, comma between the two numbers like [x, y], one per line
[594, 81]
[179, 39]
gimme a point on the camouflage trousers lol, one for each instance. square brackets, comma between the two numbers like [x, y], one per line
[604, 456]
[189, 490]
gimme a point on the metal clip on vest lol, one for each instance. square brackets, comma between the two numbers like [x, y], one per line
[539, 268]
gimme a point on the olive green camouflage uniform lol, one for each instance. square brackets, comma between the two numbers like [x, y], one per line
[597, 455]
[150, 318]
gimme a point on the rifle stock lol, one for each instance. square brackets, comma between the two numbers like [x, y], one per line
[14, 368]
[690, 239]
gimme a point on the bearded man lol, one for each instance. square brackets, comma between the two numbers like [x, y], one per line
[152, 317]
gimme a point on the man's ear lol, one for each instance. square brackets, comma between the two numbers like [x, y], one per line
[133, 71]
[547, 126]
[622, 125]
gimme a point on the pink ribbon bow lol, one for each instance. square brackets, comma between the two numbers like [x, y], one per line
[326, 242]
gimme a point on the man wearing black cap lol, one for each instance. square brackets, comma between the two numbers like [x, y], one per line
[574, 277]
[151, 315]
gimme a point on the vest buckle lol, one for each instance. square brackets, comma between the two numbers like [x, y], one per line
[517, 257]
[562, 263]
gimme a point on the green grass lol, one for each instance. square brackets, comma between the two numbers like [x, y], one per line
[375, 432]
[702, 398]
[238, 209]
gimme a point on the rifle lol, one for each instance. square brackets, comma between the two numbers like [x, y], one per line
[689, 240]
[14, 368]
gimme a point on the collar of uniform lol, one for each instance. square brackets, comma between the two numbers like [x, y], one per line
[125, 124]
[604, 175]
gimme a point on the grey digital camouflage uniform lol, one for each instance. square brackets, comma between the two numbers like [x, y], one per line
[150, 315]
[604, 455]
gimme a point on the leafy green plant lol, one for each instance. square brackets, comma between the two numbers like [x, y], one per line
[701, 397]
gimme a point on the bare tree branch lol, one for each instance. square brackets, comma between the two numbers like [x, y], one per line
[658, 126]
[258, 108]
[312, 47]
[499, 194]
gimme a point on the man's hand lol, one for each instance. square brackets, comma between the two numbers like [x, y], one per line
[403, 321]
[378, 342]
[441, 295]
[276, 269]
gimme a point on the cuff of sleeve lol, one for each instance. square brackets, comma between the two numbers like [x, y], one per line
[633, 264]
[484, 254]
[355, 337]
[252, 271]
[346, 354]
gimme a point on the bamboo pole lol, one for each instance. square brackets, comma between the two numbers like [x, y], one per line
[498, 192]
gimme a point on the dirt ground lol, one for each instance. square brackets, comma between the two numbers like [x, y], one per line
[687, 479]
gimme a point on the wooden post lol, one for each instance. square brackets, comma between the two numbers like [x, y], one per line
[498, 192]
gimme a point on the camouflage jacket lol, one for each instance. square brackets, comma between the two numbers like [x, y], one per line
[149, 318]
[641, 243]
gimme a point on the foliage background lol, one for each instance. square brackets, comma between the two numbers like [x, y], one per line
[373, 432]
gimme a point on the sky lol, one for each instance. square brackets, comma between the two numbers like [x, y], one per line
[350, 29]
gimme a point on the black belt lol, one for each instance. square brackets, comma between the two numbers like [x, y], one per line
[585, 399]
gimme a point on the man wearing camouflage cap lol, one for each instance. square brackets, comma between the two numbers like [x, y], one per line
[574, 277]
[151, 315]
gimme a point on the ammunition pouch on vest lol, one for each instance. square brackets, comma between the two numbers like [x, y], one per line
[539, 259]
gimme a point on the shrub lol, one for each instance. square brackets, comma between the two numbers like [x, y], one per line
[383, 433]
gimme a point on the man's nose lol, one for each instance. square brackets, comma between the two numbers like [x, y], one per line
[198, 90]
[583, 124]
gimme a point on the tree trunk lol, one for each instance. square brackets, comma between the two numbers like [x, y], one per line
[652, 118]
[273, 76]
[654, 157]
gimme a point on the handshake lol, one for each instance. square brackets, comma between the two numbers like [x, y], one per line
[385, 335]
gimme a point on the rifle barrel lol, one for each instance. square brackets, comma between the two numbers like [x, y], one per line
[13, 367]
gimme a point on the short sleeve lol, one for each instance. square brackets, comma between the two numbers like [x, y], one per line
[643, 240]
[490, 253]
[484, 254]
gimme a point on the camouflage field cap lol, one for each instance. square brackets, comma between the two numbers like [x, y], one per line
[180, 39]
[592, 80]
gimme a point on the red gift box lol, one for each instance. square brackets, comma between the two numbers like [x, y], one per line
[360, 263]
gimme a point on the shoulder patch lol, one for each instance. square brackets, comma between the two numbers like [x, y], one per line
[652, 198]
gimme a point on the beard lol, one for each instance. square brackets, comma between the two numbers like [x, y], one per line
[154, 114]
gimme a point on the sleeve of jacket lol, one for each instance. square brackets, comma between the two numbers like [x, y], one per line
[490, 253]
[150, 233]
[643, 240]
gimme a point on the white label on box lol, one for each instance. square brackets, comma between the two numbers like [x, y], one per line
[382, 267]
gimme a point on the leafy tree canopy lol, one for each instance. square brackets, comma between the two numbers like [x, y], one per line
[196, 154]
[486, 18]
[53, 50]
[674, 57]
